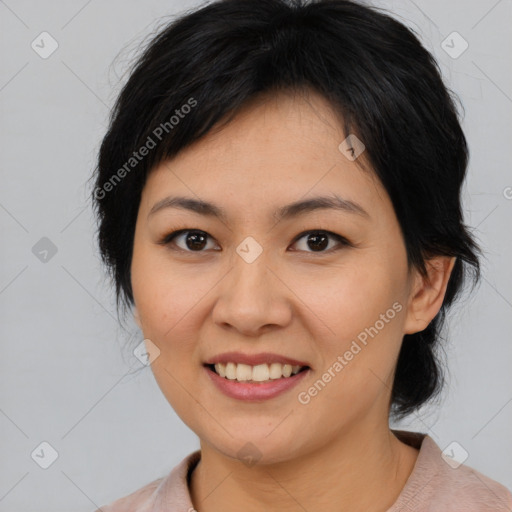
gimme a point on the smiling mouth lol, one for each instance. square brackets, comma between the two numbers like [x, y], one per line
[255, 374]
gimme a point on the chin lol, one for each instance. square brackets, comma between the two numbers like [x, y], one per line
[257, 447]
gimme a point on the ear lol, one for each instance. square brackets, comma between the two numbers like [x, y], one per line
[427, 293]
[137, 317]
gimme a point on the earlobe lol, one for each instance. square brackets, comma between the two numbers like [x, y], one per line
[428, 294]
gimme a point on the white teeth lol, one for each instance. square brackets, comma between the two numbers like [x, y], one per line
[276, 370]
[220, 368]
[243, 372]
[287, 370]
[258, 373]
[231, 371]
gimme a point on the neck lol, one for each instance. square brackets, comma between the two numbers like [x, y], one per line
[365, 469]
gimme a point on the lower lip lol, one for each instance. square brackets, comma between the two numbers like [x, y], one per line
[255, 391]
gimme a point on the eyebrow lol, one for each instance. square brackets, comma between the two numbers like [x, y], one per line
[285, 212]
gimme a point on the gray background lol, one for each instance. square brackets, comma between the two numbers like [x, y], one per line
[67, 377]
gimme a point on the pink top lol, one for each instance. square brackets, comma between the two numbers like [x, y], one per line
[433, 486]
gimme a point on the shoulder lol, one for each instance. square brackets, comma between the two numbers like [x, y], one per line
[470, 490]
[438, 483]
[138, 501]
[158, 494]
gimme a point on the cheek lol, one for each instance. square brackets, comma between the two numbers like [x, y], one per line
[349, 297]
[361, 310]
[170, 300]
[161, 293]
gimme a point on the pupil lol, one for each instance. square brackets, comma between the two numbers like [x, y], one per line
[322, 245]
[194, 239]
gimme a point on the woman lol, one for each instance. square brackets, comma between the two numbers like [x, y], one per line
[278, 197]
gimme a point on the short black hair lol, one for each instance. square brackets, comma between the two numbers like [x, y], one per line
[387, 89]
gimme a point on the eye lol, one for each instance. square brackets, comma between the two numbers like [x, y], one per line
[194, 240]
[319, 240]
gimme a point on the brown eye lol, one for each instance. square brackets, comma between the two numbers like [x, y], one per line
[192, 240]
[317, 241]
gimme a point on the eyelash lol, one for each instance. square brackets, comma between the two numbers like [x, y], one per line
[343, 242]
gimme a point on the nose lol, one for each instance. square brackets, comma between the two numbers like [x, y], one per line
[252, 299]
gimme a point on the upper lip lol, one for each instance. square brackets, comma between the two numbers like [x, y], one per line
[254, 359]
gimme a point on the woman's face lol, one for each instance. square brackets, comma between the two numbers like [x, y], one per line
[248, 284]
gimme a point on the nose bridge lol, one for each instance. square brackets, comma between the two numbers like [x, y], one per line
[249, 297]
[251, 276]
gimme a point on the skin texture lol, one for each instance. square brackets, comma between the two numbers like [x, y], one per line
[336, 452]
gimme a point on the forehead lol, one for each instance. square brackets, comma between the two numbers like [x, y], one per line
[279, 148]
